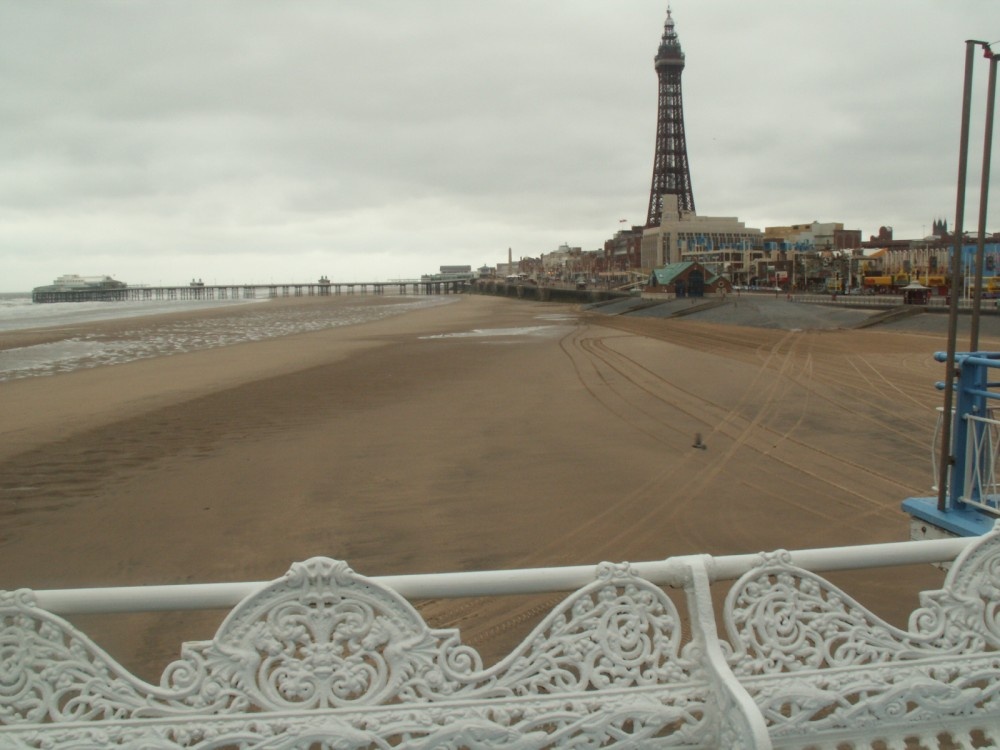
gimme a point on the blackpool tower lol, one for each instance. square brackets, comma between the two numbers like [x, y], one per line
[670, 163]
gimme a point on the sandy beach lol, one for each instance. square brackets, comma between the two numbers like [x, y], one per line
[484, 433]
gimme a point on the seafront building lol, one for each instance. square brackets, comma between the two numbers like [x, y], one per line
[813, 236]
[724, 245]
[565, 262]
[623, 252]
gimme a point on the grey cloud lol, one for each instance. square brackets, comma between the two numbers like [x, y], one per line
[415, 134]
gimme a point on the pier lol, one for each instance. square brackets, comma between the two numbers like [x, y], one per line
[250, 291]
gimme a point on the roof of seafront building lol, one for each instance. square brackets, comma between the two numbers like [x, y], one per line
[669, 273]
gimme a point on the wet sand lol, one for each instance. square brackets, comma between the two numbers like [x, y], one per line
[551, 437]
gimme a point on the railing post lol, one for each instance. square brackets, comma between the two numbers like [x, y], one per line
[740, 722]
[969, 379]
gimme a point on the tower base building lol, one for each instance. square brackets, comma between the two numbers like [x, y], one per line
[723, 244]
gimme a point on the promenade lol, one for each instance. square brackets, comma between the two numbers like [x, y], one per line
[804, 313]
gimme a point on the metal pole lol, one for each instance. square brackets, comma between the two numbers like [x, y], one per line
[984, 191]
[946, 459]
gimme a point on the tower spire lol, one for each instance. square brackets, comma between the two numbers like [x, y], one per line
[671, 175]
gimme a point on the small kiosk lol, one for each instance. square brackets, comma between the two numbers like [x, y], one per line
[916, 293]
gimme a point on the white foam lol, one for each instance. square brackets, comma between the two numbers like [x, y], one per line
[494, 332]
[161, 338]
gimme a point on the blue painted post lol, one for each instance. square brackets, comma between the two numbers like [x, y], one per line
[966, 403]
[972, 397]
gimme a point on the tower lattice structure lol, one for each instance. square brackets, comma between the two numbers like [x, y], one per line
[671, 175]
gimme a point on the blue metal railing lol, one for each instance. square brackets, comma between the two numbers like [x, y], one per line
[974, 443]
[972, 487]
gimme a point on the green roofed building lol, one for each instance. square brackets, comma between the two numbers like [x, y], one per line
[687, 279]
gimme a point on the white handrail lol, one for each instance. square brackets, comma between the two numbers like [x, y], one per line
[668, 572]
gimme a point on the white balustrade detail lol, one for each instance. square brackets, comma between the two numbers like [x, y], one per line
[326, 658]
[983, 450]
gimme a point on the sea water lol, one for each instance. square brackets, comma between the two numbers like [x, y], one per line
[17, 312]
[82, 349]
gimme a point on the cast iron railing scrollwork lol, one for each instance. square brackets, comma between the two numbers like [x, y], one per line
[328, 658]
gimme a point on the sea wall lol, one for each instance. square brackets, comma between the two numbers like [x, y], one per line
[544, 293]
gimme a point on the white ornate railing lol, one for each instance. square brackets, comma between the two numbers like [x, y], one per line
[326, 658]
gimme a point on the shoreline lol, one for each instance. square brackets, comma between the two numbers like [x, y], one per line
[35, 410]
[47, 351]
[22, 317]
[30, 336]
[484, 434]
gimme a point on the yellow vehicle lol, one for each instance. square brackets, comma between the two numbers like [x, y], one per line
[938, 284]
[877, 284]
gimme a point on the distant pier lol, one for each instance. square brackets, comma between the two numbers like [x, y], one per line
[250, 291]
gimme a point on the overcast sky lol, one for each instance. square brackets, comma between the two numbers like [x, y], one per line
[367, 140]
